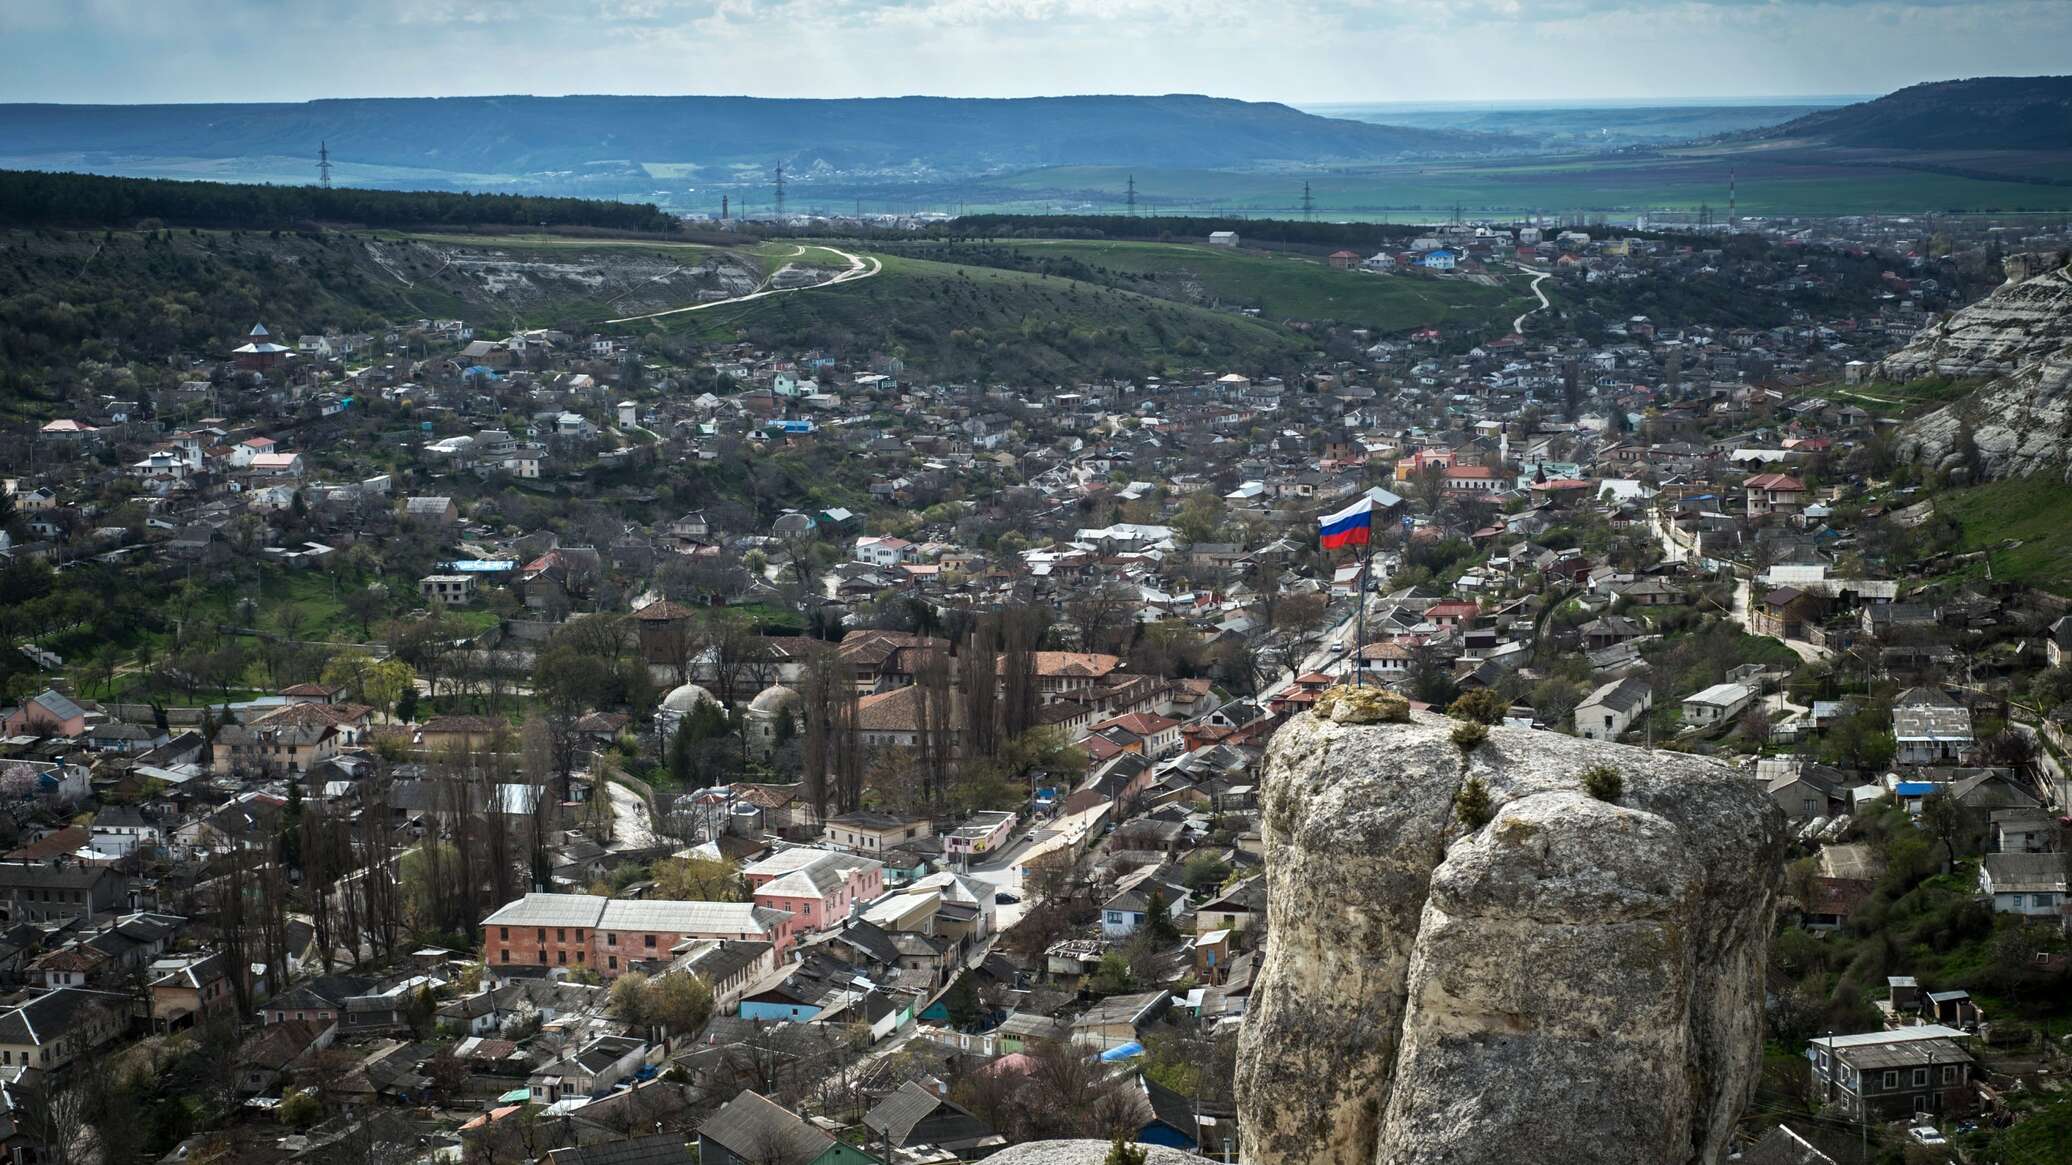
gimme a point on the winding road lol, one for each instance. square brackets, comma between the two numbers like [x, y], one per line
[1518, 325]
[860, 267]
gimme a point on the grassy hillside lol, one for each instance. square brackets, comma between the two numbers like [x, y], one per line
[958, 321]
[2031, 509]
[1296, 286]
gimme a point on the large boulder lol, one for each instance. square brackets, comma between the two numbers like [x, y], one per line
[1574, 980]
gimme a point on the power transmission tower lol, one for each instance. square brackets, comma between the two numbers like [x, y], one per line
[1131, 196]
[324, 164]
[780, 190]
[1309, 205]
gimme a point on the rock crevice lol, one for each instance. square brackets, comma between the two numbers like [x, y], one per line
[1579, 976]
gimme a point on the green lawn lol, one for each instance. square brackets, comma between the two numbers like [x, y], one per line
[2032, 509]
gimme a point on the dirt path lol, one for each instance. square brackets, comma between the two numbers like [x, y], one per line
[860, 267]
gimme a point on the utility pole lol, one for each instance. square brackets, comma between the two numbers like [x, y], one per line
[1309, 205]
[1130, 196]
[780, 190]
[324, 164]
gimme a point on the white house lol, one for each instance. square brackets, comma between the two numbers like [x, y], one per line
[1717, 703]
[1607, 712]
[2031, 885]
[884, 550]
[1223, 238]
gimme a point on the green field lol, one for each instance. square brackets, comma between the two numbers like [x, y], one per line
[958, 321]
[1764, 184]
[1304, 288]
[2031, 509]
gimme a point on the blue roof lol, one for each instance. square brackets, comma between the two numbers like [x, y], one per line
[479, 565]
[1915, 788]
[1128, 1051]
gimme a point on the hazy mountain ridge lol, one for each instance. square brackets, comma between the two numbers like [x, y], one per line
[2008, 113]
[524, 135]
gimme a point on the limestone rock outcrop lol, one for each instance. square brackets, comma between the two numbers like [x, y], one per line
[1086, 1153]
[1574, 981]
[2020, 338]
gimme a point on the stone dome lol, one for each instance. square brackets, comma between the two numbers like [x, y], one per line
[774, 699]
[685, 699]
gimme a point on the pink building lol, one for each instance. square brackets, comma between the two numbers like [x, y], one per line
[820, 888]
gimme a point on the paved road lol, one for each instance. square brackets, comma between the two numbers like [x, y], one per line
[860, 267]
[1518, 325]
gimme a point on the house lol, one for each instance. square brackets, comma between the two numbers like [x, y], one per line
[2031, 885]
[1774, 493]
[818, 888]
[751, 1130]
[439, 511]
[867, 831]
[1607, 712]
[601, 1063]
[913, 1117]
[1891, 1075]
[184, 993]
[1241, 907]
[613, 935]
[884, 550]
[47, 713]
[1130, 909]
[266, 1056]
[1223, 238]
[1343, 260]
[654, 1149]
[1931, 733]
[447, 590]
[55, 1028]
[1119, 1020]
[982, 833]
[1806, 790]
[61, 890]
[1717, 704]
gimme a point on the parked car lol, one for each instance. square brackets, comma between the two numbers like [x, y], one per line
[1003, 898]
[1927, 1135]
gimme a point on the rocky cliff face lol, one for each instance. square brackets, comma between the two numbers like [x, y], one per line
[1574, 981]
[2021, 337]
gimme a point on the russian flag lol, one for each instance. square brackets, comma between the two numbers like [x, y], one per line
[1351, 526]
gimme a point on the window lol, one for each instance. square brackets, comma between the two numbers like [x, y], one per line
[579, 956]
[579, 934]
[611, 939]
[561, 957]
[1949, 1074]
[504, 933]
[612, 962]
[543, 934]
[507, 956]
[1891, 1080]
[1920, 1077]
[650, 941]
[560, 934]
[543, 957]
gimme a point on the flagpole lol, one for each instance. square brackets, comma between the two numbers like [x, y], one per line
[1360, 620]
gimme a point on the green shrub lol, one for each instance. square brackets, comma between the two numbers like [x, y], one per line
[1467, 734]
[1482, 706]
[1603, 782]
[1472, 805]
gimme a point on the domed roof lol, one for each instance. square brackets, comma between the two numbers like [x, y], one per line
[687, 698]
[774, 698]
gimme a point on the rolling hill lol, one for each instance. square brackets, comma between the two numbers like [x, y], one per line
[1977, 113]
[473, 142]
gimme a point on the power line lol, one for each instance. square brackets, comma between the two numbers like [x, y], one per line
[324, 164]
[780, 190]
[1309, 205]
[1131, 196]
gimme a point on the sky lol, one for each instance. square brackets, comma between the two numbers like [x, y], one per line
[1297, 51]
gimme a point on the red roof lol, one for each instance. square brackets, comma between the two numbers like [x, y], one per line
[1782, 482]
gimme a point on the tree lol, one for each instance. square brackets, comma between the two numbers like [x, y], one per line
[961, 1001]
[1483, 706]
[300, 1109]
[632, 1000]
[1158, 918]
[680, 1002]
[1121, 1152]
[1943, 818]
[697, 880]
